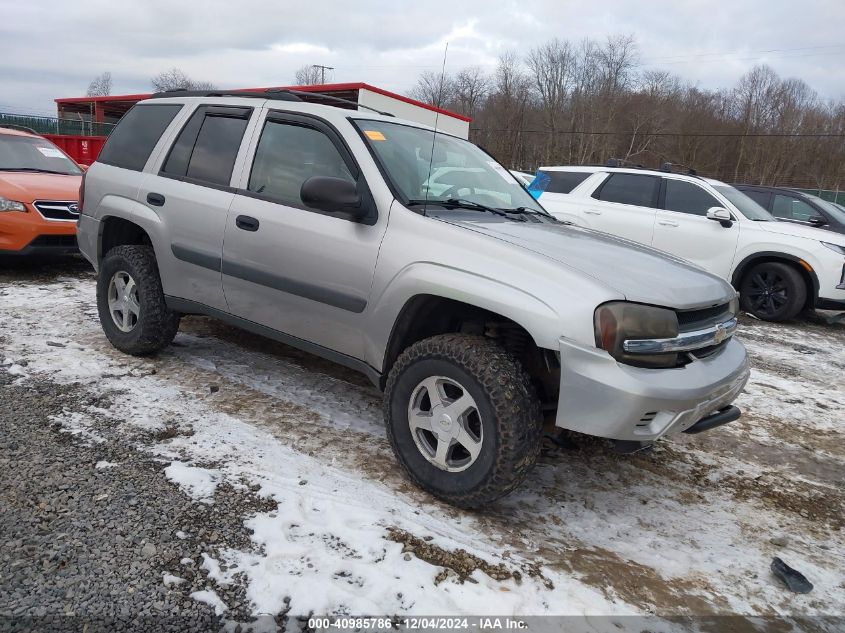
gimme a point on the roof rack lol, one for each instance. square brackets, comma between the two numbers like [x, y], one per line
[667, 168]
[277, 94]
[19, 128]
[621, 162]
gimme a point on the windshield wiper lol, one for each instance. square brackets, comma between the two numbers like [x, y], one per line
[37, 169]
[530, 211]
[460, 203]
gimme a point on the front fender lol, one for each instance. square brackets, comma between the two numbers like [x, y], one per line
[428, 278]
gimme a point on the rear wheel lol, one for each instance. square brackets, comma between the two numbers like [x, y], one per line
[773, 291]
[462, 418]
[130, 301]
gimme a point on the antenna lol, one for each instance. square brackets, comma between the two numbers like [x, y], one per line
[436, 121]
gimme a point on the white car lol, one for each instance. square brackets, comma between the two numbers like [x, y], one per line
[778, 268]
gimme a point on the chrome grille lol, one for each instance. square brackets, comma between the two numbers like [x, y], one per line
[57, 209]
[691, 320]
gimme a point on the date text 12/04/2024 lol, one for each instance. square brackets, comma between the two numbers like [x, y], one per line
[416, 623]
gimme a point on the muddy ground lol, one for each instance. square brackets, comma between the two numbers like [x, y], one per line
[689, 528]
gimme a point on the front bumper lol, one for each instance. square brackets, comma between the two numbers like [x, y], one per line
[599, 396]
[27, 233]
[46, 245]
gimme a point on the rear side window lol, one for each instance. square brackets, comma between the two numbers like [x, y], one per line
[685, 197]
[632, 189]
[132, 141]
[564, 181]
[207, 146]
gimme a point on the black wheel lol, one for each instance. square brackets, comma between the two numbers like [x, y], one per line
[462, 418]
[130, 301]
[773, 291]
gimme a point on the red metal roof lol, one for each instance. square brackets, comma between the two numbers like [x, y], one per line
[314, 88]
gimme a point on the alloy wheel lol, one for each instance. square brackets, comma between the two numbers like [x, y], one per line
[445, 423]
[767, 293]
[124, 306]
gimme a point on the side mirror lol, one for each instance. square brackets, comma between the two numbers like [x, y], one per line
[333, 195]
[818, 220]
[720, 215]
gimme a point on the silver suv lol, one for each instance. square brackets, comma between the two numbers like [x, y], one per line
[479, 315]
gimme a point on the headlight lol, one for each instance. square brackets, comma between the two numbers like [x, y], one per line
[619, 321]
[11, 205]
[835, 247]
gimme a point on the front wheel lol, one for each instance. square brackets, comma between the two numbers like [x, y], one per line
[462, 418]
[773, 291]
[130, 301]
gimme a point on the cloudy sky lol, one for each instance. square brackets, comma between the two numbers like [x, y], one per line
[54, 48]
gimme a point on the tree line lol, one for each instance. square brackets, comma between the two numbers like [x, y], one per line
[576, 103]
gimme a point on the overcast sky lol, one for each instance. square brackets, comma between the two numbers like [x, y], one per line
[54, 48]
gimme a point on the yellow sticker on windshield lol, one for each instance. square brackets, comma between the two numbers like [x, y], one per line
[374, 135]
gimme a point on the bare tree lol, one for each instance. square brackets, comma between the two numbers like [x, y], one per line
[581, 103]
[437, 89]
[470, 88]
[552, 67]
[100, 85]
[307, 75]
[175, 79]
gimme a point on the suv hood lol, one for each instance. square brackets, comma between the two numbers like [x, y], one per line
[27, 186]
[640, 273]
[799, 230]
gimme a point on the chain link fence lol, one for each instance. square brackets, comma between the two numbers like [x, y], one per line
[51, 125]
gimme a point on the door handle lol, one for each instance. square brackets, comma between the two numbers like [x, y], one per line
[592, 212]
[667, 222]
[155, 199]
[247, 223]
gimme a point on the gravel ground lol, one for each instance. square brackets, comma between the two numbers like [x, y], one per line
[86, 547]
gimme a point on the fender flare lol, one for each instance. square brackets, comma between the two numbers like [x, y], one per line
[539, 319]
[132, 211]
[749, 260]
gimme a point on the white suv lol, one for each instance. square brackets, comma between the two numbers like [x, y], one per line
[778, 268]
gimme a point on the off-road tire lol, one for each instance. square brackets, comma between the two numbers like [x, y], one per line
[157, 325]
[788, 278]
[507, 404]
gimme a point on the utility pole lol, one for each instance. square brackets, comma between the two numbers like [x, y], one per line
[323, 70]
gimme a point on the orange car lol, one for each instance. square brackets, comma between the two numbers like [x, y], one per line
[39, 191]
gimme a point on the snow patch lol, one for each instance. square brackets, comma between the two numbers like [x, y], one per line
[210, 598]
[198, 483]
[213, 569]
[171, 580]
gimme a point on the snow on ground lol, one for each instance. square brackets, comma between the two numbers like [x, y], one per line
[210, 598]
[685, 529]
[198, 483]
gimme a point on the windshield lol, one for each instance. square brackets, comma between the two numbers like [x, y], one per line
[746, 205]
[458, 169]
[23, 153]
[833, 209]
